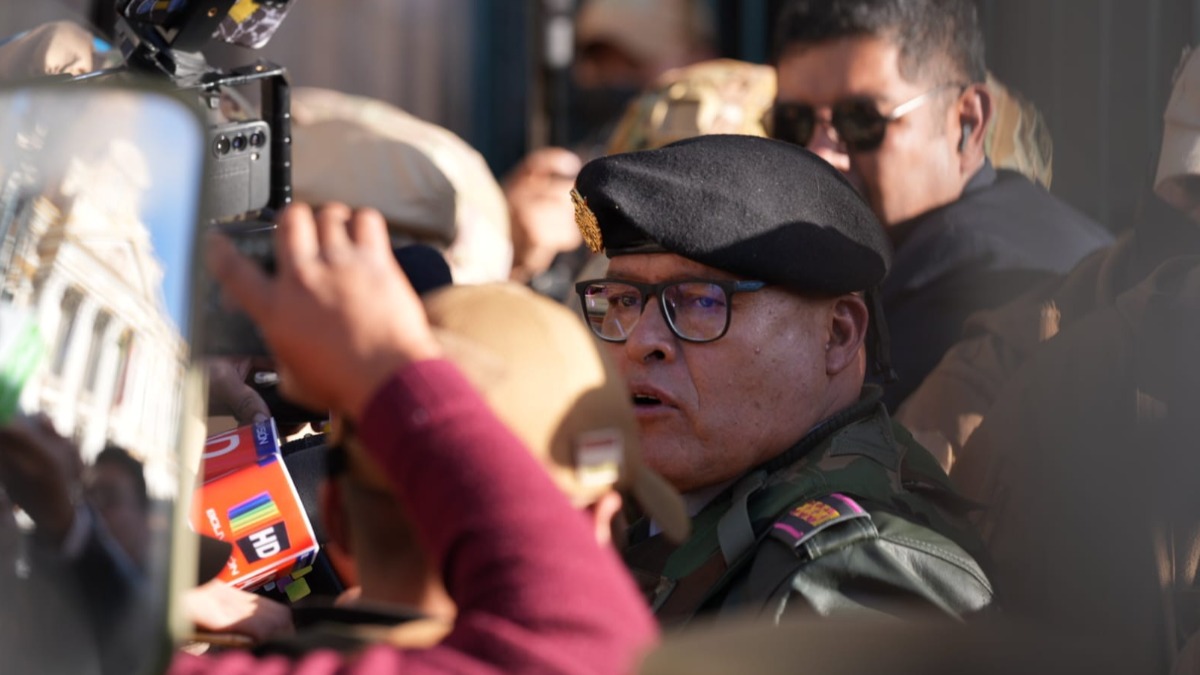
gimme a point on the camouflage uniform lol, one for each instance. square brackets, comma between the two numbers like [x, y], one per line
[855, 517]
[1017, 136]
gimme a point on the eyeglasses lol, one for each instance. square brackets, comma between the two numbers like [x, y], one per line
[857, 121]
[696, 310]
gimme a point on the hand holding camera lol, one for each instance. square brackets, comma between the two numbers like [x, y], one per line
[339, 315]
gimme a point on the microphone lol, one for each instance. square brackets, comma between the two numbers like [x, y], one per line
[247, 498]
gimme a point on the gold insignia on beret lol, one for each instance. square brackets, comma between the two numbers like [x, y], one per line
[589, 227]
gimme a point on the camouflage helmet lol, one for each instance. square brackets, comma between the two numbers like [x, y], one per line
[721, 96]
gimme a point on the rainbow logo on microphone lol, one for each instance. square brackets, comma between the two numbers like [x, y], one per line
[252, 513]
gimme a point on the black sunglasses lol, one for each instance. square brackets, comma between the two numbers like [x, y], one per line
[858, 123]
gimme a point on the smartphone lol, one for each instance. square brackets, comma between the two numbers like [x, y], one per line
[239, 177]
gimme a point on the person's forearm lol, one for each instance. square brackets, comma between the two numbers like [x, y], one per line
[535, 592]
[511, 546]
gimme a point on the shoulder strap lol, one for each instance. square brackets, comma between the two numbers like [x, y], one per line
[682, 597]
[809, 531]
[775, 565]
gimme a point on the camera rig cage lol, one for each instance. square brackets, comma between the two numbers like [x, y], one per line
[164, 38]
[249, 175]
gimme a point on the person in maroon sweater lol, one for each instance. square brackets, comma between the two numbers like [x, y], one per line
[543, 375]
[534, 590]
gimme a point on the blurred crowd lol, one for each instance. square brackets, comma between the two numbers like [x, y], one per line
[779, 366]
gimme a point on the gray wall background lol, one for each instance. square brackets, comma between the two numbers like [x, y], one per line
[1100, 71]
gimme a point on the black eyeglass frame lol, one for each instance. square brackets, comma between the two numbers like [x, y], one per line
[838, 112]
[729, 286]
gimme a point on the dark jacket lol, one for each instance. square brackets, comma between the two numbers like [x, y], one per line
[956, 396]
[1087, 462]
[856, 517]
[1003, 235]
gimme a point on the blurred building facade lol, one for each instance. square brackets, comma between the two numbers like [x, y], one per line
[79, 256]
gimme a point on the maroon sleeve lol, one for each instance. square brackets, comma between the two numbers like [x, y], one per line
[535, 592]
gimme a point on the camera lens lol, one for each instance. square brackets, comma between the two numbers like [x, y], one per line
[221, 146]
[239, 142]
[258, 139]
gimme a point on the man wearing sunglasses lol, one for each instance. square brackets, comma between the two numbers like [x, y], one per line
[740, 294]
[891, 92]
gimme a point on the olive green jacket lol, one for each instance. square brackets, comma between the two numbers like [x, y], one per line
[855, 517]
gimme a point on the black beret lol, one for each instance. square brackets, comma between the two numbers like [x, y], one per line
[755, 207]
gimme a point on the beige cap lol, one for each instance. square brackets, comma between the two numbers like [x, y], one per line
[722, 96]
[430, 185]
[1018, 137]
[1180, 156]
[652, 31]
[541, 370]
[60, 47]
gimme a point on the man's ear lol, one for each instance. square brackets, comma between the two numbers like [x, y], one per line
[847, 333]
[973, 110]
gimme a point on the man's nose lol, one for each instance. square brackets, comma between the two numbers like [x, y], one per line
[826, 145]
[651, 337]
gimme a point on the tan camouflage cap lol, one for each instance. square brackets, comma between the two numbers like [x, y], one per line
[543, 374]
[721, 96]
[1018, 138]
[429, 184]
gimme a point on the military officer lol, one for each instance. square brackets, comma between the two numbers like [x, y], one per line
[741, 305]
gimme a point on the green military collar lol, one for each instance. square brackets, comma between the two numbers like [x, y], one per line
[858, 452]
[771, 497]
[867, 404]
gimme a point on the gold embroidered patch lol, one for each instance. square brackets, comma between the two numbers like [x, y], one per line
[589, 227]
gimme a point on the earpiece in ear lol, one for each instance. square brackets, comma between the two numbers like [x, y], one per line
[967, 128]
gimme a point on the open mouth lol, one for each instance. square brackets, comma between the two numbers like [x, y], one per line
[645, 400]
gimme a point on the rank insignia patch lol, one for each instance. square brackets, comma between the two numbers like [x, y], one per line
[801, 523]
[589, 227]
